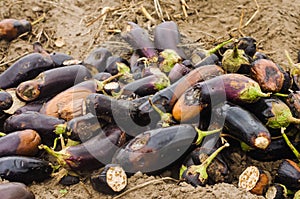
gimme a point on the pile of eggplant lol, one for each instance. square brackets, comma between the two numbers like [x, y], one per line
[161, 108]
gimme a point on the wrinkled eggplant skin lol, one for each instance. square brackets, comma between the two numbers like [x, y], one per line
[24, 169]
[156, 150]
[27, 67]
[6, 100]
[288, 173]
[43, 124]
[95, 152]
[15, 190]
[98, 58]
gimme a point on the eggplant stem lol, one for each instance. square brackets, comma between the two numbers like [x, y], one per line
[2, 134]
[101, 84]
[166, 118]
[202, 168]
[60, 156]
[294, 120]
[215, 49]
[280, 94]
[288, 142]
[202, 134]
[292, 65]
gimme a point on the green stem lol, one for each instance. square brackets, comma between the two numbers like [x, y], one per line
[2, 134]
[202, 134]
[288, 142]
[215, 49]
[280, 94]
[60, 156]
[166, 118]
[101, 84]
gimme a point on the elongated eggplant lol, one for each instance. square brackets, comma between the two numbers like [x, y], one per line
[52, 82]
[155, 150]
[167, 36]
[197, 175]
[13, 190]
[92, 154]
[139, 39]
[34, 106]
[27, 67]
[270, 76]
[288, 174]
[43, 124]
[24, 169]
[241, 124]
[20, 143]
[10, 29]
[255, 180]
[166, 98]
[236, 88]
[109, 180]
[273, 112]
[6, 100]
[97, 58]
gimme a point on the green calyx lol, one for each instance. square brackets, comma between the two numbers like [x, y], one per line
[166, 119]
[202, 134]
[169, 59]
[162, 82]
[60, 156]
[252, 92]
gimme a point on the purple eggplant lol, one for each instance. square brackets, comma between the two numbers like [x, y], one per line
[179, 70]
[59, 59]
[6, 100]
[51, 82]
[288, 174]
[97, 58]
[10, 29]
[34, 106]
[13, 190]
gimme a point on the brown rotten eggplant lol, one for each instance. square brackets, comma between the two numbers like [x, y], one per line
[24, 169]
[288, 174]
[155, 150]
[235, 88]
[254, 180]
[15, 190]
[25, 68]
[109, 180]
[270, 76]
[92, 154]
[52, 82]
[20, 143]
[43, 124]
[10, 29]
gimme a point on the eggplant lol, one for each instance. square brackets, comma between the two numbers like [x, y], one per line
[43, 124]
[273, 112]
[167, 36]
[59, 59]
[102, 76]
[115, 63]
[197, 175]
[51, 82]
[288, 174]
[111, 179]
[20, 143]
[235, 88]
[255, 180]
[10, 29]
[13, 190]
[276, 191]
[90, 155]
[24, 169]
[139, 39]
[34, 106]
[179, 70]
[98, 58]
[155, 150]
[6, 100]
[26, 68]
[68, 180]
[270, 76]
[122, 112]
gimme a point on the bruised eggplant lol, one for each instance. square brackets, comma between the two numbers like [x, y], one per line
[6, 100]
[52, 82]
[157, 149]
[10, 29]
[89, 155]
[288, 174]
[24, 169]
[20, 143]
[15, 190]
[25, 68]
[255, 180]
[109, 180]
[43, 124]
[236, 88]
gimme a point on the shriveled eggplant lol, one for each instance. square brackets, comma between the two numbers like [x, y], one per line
[255, 180]
[24, 169]
[20, 143]
[10, 29]
[109, 180]
[51, 82]
[15, 190]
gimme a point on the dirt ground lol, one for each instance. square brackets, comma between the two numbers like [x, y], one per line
[78, 26]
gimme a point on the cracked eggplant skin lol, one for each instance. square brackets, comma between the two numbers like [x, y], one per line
[15, 190]
[20, 143]
[24, 169]
[288, 174]
[154, 150]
